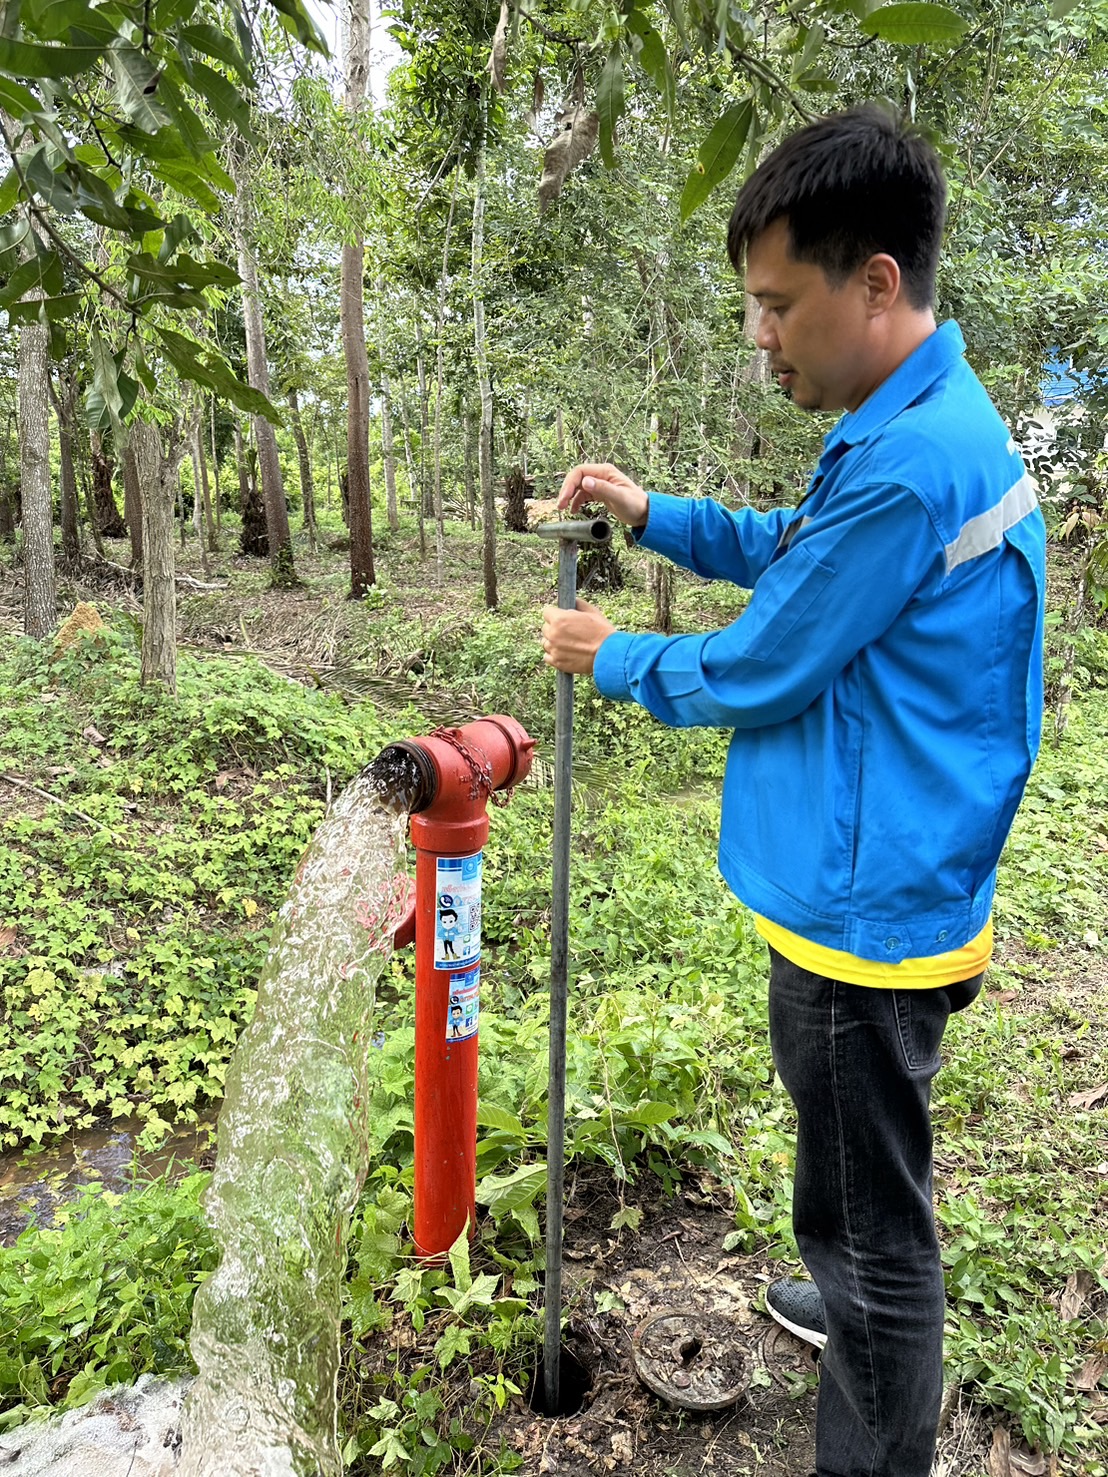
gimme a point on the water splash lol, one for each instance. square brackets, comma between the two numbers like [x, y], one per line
[292, 1155]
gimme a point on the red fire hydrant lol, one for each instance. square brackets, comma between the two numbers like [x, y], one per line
[453, 773]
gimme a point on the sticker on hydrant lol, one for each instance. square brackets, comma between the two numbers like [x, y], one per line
[457, 910]
[465, 1004]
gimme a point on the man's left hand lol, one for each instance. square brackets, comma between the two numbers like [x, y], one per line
[571, 638]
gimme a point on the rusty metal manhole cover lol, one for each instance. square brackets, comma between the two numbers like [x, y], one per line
[691, 1359]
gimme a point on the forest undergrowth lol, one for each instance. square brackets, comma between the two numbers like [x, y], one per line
[147, 843]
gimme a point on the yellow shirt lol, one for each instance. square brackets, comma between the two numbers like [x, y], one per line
[909, 974]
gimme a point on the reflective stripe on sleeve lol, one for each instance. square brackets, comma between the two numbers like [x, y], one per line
[986, 531]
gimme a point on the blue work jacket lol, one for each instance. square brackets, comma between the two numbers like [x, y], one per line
[884, 684]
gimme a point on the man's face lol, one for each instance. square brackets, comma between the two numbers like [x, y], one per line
[817, 335]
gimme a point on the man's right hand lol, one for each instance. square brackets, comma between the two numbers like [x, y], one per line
[600, 482]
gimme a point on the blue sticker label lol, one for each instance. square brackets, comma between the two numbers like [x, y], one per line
[457, 911]
[465, 1004]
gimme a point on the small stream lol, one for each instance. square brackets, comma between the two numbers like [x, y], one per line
[35, 1182]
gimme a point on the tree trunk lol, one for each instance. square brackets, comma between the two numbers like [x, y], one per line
[108, 519]
[440, 328]
[215, 473]
[254, 537]
[91, 518]
[283, 572]
[66, 407]
[515, 507]
[560, 433]
[352, 318]
[467, 465]
[421, 380]
[40, 606]
[132, 502]
[307, 482]
[484, 433]
[409, 463]
[388, 450]
[199, 494]
[7, 489]
[156, 479]
[201, 464]
[352, 310]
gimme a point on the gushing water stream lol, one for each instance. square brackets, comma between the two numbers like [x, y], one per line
[292, 1158]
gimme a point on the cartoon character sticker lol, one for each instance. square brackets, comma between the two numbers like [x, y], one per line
[457, 911]
[464, 1011]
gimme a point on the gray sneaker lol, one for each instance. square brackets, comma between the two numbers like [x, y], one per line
[797, 1306]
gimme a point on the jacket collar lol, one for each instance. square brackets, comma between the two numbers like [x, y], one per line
[938, 353]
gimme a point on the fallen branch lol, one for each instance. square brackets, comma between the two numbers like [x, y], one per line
[134, 578]
[11, 779]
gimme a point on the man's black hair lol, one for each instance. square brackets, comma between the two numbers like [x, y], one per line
[850, 185]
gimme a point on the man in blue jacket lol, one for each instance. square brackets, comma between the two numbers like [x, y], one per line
[884, 688]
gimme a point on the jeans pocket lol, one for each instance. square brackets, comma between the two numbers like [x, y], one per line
[921, 1017]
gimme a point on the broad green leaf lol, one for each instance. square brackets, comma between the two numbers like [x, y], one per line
[136, 84]
[105, 384]
[610, 103]
[630, 1215]
[915, 23]
[647, 1113]
[45, 309]
[9, 191]
[653, 56]
[207, 367]
[59, 19]
[459, 1261]
[1062, 8]
[19, 59]
[223, 97]
[489, 1115]
[41, 274]
[16, 99]
[717, 155]
[217, 44]
[295, 18]
[509, 1194]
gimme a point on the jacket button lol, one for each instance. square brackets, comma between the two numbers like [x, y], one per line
[940, 936]
[893, 943]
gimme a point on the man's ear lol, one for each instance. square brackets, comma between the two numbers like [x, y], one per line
[881, 280]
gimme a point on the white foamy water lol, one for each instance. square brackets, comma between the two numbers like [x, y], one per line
[291, 1161]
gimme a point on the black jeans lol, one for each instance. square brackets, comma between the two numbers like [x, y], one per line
[858, 1064]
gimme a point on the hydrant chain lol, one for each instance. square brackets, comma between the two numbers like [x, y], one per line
[479, 765]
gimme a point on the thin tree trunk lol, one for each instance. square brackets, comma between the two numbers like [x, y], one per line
[484, 434]
[91, 519]
[421, 380]
[307, 482]
[40, 606]
[560, 433]
[388, 450]
[196, 448]
[440, 326]
[283, 572]
[408, 460]
[205, 490]
[467, 464]
[352, 316]
[215, 474]
[132, 501]
[157, 480]
[66, 407]
[7, 490]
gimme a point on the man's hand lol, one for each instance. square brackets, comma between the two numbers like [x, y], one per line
[600, 482]
[571, 638]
